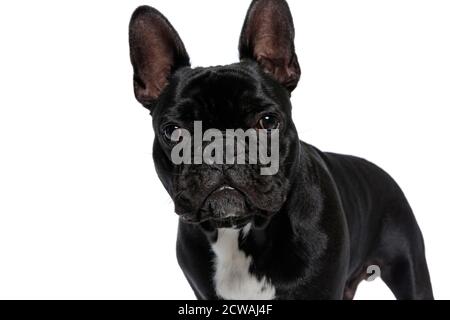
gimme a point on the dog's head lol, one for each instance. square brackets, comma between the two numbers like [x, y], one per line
[252, 94]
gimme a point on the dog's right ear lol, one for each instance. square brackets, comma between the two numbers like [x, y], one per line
[156, 51]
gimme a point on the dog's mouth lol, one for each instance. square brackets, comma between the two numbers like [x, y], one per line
[225, 207]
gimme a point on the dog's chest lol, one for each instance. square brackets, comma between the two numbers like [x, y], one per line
[232, 278]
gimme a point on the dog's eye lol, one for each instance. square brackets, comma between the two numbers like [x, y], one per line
[172, 133]
[268, 122]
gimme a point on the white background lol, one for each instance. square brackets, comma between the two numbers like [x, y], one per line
[82, 212]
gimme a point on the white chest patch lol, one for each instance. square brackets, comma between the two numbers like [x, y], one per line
[233, 280]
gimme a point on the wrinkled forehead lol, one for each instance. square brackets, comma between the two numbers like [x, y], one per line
[218, 94]
[231, 82]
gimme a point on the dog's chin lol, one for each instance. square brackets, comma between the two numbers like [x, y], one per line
[212, 222]
[228, 222]
[254, 221]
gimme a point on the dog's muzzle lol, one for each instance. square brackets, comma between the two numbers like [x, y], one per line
[224, 207]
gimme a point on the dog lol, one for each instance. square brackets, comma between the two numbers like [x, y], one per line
[309, 231]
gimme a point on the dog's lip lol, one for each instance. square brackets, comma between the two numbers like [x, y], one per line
[223, 187]
[187, 218]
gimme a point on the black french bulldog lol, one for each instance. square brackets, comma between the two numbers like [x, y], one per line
[308, 232]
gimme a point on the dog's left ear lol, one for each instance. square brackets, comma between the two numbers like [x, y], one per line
[156, 52]
[268, 38]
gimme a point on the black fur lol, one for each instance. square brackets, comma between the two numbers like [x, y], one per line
[320, 221]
